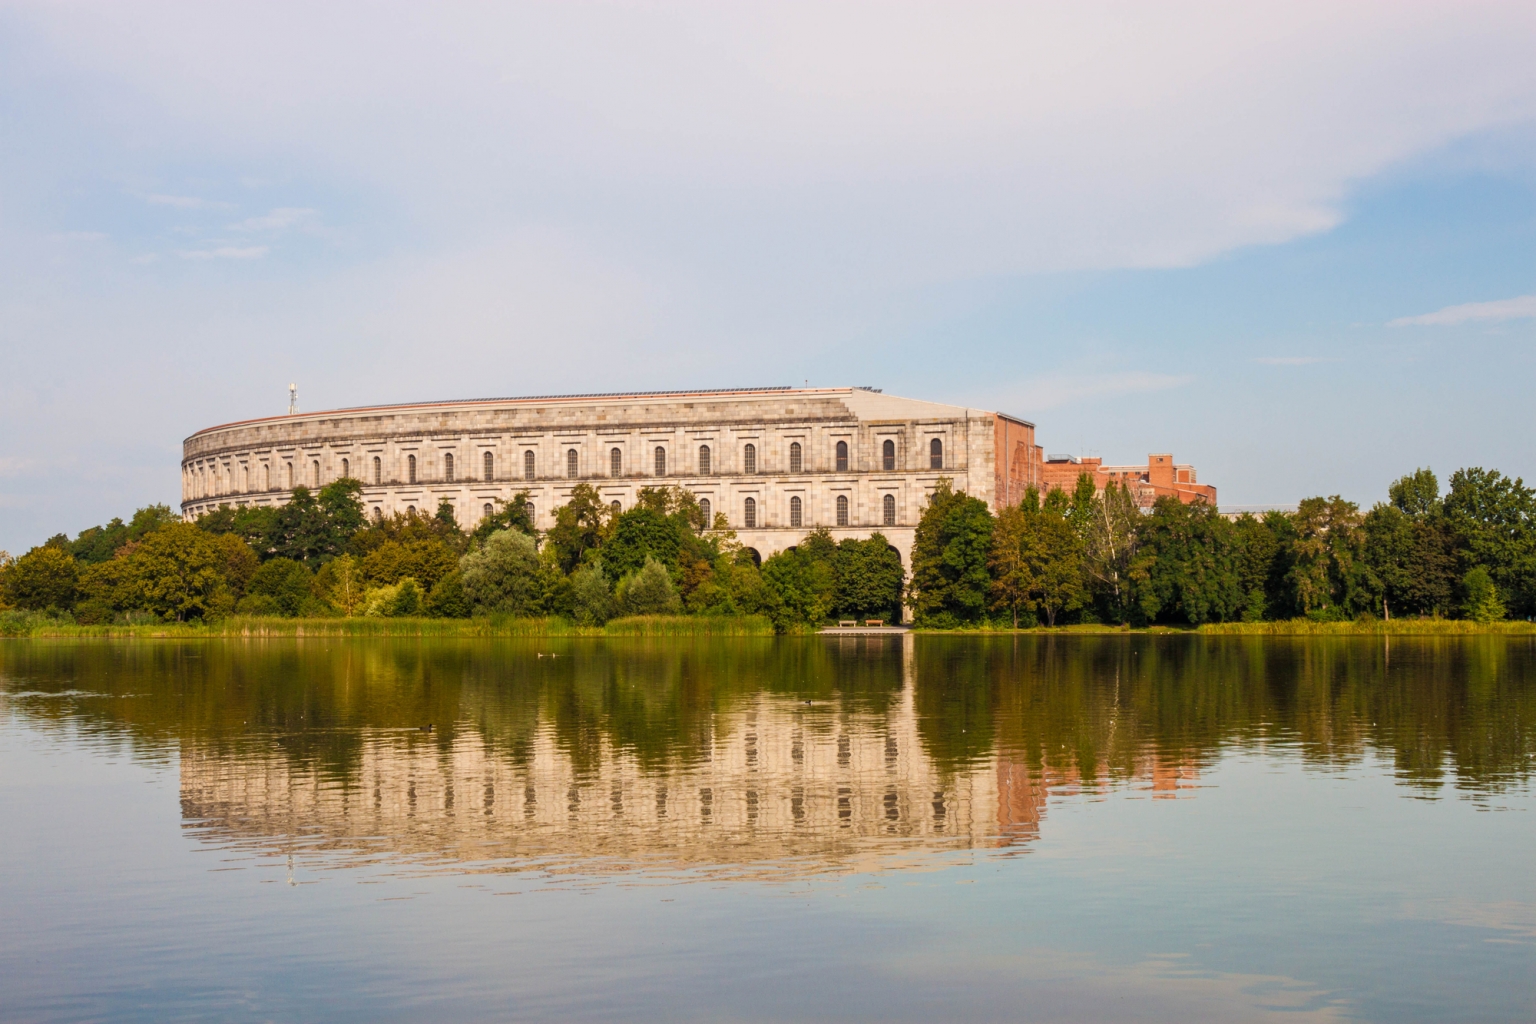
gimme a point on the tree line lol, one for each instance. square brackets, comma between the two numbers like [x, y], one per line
[1093, 556]
[1085, 556]
[319, 555]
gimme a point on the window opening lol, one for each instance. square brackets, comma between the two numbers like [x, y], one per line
[528, 464]
[448, 467]
[346, 467]
[615, 462]
[570, 463]
[410, 469]
[703, 460]
[888, 455]
[751, 513]
[796, 512]
[842, 510]
[661, 461]
[704, 513]
[749, 459]
[888, 506]
[487, 511]
[842, 456]
[378, 470]
[614, 505]
[490, 466]
[314, 473]
[794, 457]
[935, 454]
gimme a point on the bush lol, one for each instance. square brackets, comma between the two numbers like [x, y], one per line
[649, 591]
[1482, 604]
[504, 576]
[288, 586]
[591, 601]
[446, 600]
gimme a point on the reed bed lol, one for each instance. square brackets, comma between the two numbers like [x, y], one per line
[21, 624]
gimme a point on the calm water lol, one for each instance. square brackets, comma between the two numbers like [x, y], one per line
[1114, 828]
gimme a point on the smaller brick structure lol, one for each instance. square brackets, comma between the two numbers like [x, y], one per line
[1159, 477]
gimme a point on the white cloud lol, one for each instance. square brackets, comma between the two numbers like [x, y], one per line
[1293, 360]
[226, 252]
[1518, 308]
[279, 218]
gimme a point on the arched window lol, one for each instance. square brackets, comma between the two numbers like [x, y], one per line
[378, 514]
[288, 474]
[661, 461]
[570, 463]
[888, 508]
[888, 455]
[703, 460]
[448, 467]
[615, 463]
[794, 457]
[796, 512]
[615, 506]
[346, 467]
[266, 477]
[749, 459]
[935, 454]
[378, 471]
[314, 473]
[245, 478]
[410, 510]
[528, 462]
[842, 510]
[842, 456]
[533, 516]
[410, 469]
[490, 466]
[750, 517]
[487, 511]
[705, 514]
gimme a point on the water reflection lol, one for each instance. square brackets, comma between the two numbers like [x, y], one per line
[749, 757]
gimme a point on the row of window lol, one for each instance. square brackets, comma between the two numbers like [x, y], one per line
[573, 468]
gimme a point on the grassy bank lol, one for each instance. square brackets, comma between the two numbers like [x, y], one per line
[13, 624]
[1370, 627]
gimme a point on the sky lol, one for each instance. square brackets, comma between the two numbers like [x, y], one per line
[1293, 244]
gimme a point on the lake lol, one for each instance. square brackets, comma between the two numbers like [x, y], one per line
[1022, 828]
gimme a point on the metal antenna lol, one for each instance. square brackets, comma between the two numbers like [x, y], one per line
[293, 399]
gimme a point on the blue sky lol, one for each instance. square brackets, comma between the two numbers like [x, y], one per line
[1193, 228]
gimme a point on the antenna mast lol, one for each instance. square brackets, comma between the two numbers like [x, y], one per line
[293, 399]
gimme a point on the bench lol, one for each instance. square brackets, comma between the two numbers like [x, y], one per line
[841, 623]
[875, 622]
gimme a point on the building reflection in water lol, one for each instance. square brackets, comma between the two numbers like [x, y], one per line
[781, 787]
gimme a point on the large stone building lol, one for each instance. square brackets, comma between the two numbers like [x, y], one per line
[778, 462]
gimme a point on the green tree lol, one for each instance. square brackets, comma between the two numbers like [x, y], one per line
[640, 535]
[1013, 560]
[176, 572]
[100, 543]
[426, 560]
[1482, 597]
[45, 577]
[1329, 574]
[1110, 541]
[581, 524]
[340, 581]
[1494, 521]
[281, 586]
[447, 600]
[1188, 567]
[516, 514]
[799, 586]
[1059, 573]
[868, 579]
[949, 559]
[504, 575]
[591, 597]
[648, 591]
[1416, 495]
[1412, 558]
[1257, 550]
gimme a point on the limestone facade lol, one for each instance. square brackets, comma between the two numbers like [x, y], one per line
[778, 462]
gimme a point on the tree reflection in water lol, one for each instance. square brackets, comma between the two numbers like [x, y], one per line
[755, 756]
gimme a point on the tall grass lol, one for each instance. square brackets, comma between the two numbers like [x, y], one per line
[37, 624]
[1370, 627]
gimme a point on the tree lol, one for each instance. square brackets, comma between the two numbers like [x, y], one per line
[648, 591]
[1110, 539]
[1257, 549]
[591, 598]
[341, 582]
[516, 514]
[1416, 495]
[447, 600]
[280, 586]
[1188, 565]
[1058, 573]
[175, 572]
[640, 535]
[1012, 560]
[1329, 575]
[1482, 601]
[1412, 558]
[426, 560]
[580, 526]
[44, 577]
[949, 558]
[504, 576]
[800, 585]
[867, 579]
[1494, 521]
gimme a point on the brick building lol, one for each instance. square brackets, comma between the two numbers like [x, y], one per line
[1160, 477]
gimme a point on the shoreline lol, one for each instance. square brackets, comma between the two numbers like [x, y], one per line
[246, 627]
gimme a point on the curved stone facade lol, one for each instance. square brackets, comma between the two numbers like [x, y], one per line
[778, 462]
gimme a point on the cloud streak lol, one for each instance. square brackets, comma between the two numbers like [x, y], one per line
[1518, 308]
[280, 218]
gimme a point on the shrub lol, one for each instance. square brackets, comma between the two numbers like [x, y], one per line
[649, 591]
[504, 576]
[591, 600]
